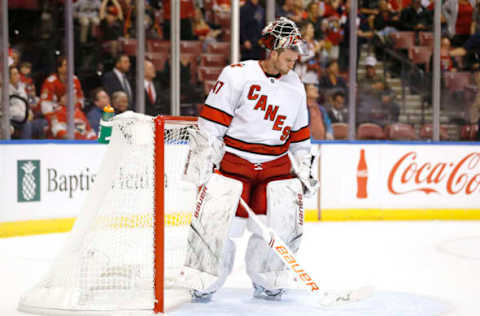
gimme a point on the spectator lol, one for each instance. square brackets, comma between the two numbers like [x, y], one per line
[202, 30]
[371, 89]
[25, 77]
[307, 65]
[333, 36]
[313, 16]
[86, 12]
[385, 22]
[372, 83]
[116, 80]
[337, 112]
[187, 12]
[252, 22]
[320, 125]
[19, 108]
[331, 80]
[447, 62]
[459, 17]
[120, 102]
[100, 100]
[54, 88]
[57, 123]
[286, 10]
[415, 18]
[111, 17]
[153, 104]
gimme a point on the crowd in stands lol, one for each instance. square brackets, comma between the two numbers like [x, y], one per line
[392, 32]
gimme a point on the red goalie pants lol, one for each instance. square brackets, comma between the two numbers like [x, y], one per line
[255, 178]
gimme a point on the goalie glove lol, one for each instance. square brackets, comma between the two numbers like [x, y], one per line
[205, 153]
[302, 165]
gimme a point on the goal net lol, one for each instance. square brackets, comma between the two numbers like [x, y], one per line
[127, 247]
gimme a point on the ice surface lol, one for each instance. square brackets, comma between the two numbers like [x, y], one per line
[422, 268]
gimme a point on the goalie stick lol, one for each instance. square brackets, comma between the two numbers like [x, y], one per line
[281, 249]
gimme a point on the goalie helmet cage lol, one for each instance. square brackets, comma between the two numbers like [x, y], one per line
[126, 250]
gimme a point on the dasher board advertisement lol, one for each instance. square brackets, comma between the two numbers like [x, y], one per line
[395, 181]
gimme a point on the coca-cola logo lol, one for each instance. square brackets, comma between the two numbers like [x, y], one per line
[451, 177]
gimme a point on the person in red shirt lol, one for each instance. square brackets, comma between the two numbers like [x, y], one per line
[459, 17]
[54, 88]
[187, 12]
[57, 123]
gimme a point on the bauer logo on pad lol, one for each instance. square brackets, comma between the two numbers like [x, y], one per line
[28, 180]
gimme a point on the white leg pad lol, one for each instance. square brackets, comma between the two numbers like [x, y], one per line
[285, 217]
[210, 252]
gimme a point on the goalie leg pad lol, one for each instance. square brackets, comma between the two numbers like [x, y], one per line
[210, 252]
[285, 217]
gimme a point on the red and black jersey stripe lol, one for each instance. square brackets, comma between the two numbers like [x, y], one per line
[300, 135]
[255, 148]
[215, 115]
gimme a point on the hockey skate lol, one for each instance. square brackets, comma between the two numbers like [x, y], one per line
[201, 297]
[263, 293]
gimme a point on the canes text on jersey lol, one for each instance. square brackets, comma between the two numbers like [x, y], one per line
[270, 111]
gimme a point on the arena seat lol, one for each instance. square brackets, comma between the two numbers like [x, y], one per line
[208, 73]
[370, 131]
[158, 46]
[129, 46]
[219, 48]
[420, 55]
[425, 39]
[426, 132]
[340, 130]
[457, 81]
[158, 60]
[403, 39]
[213, 60]
[469, 132]
[400, 131]
[191, 47]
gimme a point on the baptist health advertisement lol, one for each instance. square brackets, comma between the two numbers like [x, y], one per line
[45, 181]
[399, 181]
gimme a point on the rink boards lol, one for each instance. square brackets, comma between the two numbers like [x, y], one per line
[43, 184]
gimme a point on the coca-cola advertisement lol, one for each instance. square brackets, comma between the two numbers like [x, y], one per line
[390, 177]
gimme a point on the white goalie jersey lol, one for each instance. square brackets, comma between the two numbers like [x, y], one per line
[259, 117]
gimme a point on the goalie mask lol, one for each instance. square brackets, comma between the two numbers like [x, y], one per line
[282, 33]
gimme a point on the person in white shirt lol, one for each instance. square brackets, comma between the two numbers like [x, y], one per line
[253, 116]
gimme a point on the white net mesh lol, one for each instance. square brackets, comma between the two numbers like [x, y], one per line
[107, 264]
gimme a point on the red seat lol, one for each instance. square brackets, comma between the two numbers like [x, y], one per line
[469, 132]
[420, 55]
[457, 81]
[403, 40]
[370, 131]
[129, 46]
[426, 132]
[219, 48]
[400, 131]
[191, 47]
[158, 60]
[158, 46]
[340, 130]
[213, 60]
[209, 73]
[222, 19]
[425, 39]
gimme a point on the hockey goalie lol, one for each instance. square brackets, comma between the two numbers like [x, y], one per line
[252, 118]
